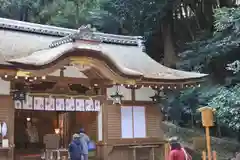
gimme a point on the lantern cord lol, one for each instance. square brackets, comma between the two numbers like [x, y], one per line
[117, 88]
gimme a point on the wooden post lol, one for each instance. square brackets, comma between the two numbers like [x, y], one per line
[208, 143]
[207, 121]
[134, 154]
[208, 140]
[204, 155]
[166, 151]
[153, 153]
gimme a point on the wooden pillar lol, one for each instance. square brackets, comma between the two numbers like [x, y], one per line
[153, 153]
[105, 125]
[166, 151]
[7, 113]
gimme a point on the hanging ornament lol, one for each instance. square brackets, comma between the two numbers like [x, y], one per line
[117, 97]
[4, 129]
[158, 96]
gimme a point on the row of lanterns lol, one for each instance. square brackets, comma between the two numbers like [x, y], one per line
[117, 97]
[157, 97]
[30, 79]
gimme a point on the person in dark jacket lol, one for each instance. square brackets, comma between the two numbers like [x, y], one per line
[84, 140]
[75, 148]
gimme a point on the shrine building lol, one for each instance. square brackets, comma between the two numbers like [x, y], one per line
[55, 81]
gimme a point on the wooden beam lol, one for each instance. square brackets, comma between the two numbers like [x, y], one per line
[68, 80]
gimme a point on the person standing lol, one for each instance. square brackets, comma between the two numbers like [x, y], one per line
[177, 152]
[84, 140]
[32, 134]
[75, 148]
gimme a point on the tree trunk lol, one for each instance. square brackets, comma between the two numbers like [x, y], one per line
[170, 57]
[77, 13]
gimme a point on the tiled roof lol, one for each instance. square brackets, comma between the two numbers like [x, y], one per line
[36, 45]
[68, 33]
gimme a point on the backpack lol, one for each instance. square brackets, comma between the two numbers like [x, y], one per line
[91, 146]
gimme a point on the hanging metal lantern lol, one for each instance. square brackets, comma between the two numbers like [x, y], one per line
[117, 97]
[158, 96]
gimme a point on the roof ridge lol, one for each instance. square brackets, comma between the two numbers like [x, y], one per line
[63, 32]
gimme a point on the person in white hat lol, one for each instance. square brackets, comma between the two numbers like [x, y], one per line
[75, 148]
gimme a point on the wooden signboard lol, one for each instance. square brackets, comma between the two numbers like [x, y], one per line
[57, 104]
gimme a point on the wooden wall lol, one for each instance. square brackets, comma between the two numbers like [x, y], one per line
[120, 153]
[87, 120]
[114, 122]
[138, 97]
[153, 121]
[7, 115]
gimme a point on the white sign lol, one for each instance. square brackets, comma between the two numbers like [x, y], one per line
[58, 104]
[89, 106]
[70, 104]
[97, 105]
[49, 104]
[5, 143]
[18, 104]
[28, 103]
[80, 105]
[38, 103]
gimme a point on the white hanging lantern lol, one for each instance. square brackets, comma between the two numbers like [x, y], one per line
[4, 129]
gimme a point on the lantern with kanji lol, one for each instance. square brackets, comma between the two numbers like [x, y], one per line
[207, 116]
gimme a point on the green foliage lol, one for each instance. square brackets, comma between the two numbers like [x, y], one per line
[138, 16]
[200, 53]
[62, 13]
[227, 103]
[216, 50]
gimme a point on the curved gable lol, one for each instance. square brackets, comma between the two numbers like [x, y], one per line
[121, 54]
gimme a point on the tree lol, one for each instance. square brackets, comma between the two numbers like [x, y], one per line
[70, 14]
[212, 55]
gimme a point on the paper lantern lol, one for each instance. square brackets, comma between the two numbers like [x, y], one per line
[4, 129]
[57, 130]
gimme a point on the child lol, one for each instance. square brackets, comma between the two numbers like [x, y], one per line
[75, 148]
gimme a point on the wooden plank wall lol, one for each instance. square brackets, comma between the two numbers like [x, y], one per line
[7, 115]
[153, 121]
[87, 120]
[114, 122]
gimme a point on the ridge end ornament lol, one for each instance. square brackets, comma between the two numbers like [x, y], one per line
[86, 32]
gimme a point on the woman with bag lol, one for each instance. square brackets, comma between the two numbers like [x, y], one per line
[177, 152]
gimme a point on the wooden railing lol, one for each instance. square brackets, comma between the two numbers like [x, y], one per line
[152, 147]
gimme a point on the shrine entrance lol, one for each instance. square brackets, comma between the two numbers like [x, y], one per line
[48, 113]
[32, 129]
